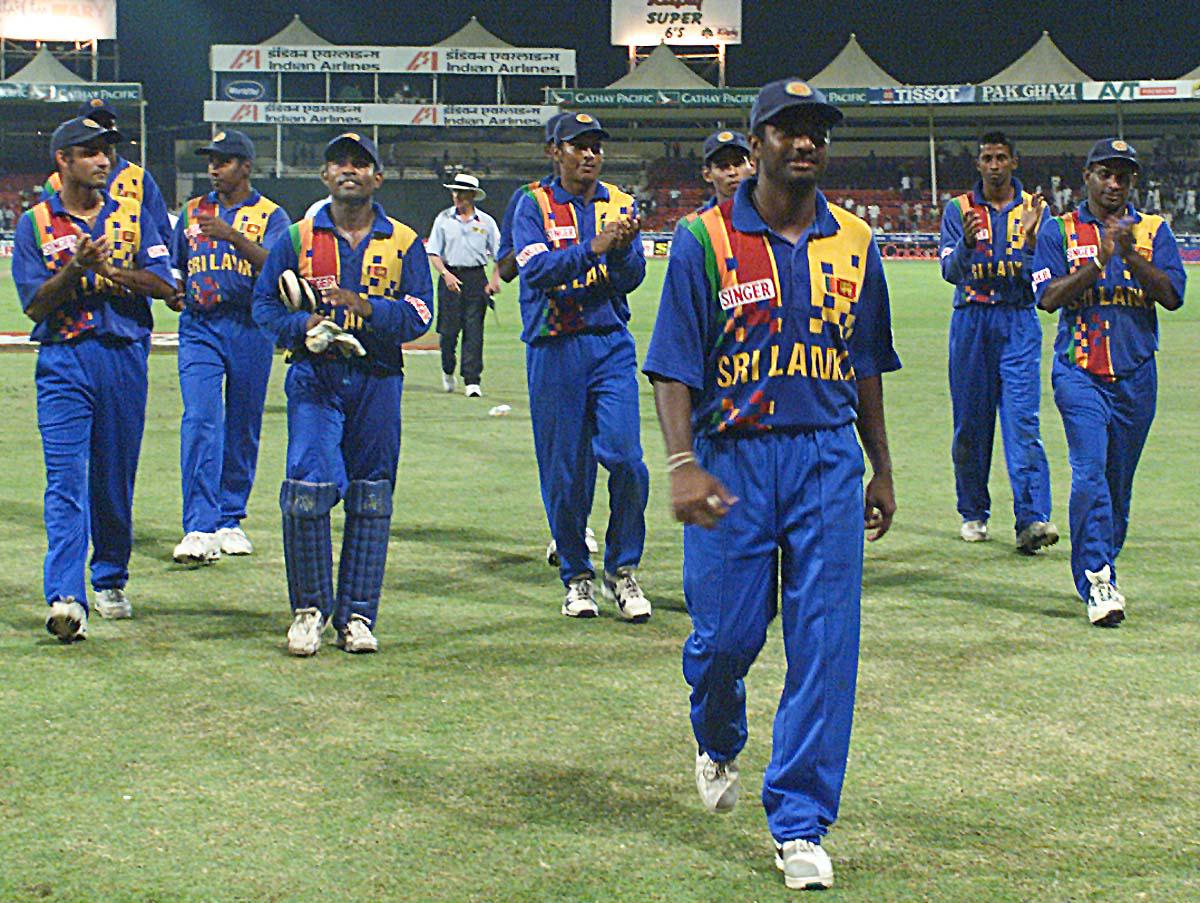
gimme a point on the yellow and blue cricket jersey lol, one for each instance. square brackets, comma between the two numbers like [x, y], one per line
[996, 270]
[565, 288]
[1113, 327]
[216, 277]
[389, 267]
[770, 335]
[45, 241]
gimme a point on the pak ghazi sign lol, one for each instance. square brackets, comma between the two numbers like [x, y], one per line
[58, 20]
[648, 23]
[376, 114]
[535, 61]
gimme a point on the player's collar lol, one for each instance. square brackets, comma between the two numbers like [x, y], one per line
[251, 198]
[980, 200]
[563, 196]
[747, 219]
[382, 225]
[1084, 212]
[107, 207]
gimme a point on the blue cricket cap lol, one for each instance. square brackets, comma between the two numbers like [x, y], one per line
[355, 138]
[572, 125]
[97, 105]
[552, 124]
[723, 139]
[81, 130]
[230, 144]
[1112, 149]
[787, 93]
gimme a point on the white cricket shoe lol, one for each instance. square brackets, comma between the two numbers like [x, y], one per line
[304, 636]
[112, 603]
[973, 531]
[449, 383]
[581, 598]
[234, 541]
[473, 391]
[1038, 535]
[717, 783]
[356, 636]
[805, 865]
[1105, 605]
[589, 540]
[623, 588]
[67, 620]
[198, 548]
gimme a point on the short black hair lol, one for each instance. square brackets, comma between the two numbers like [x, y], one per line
[997, 138]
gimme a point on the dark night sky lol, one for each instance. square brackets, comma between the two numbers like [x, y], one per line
[165, 44]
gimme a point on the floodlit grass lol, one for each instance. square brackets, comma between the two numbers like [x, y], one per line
[496, 751]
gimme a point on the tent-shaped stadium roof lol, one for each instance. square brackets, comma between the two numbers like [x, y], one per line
[472, 35]
[852, 68]
[294, 34]
[661, 69]
[1194, 74]
[1043, 62]
[45, 69]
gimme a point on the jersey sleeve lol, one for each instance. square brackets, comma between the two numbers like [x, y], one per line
[540, 267]
[679, 342]
[1049, 257]
[506, 226]
[154, 208]
[153, 256]
[277, 226]
[28, 271]
[1166, 257]
[953, 252]
[407, 317]
[871, 348]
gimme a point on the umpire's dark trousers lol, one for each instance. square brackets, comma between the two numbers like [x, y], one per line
[463, 312]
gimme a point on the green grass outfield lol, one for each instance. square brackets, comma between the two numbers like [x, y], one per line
[496, 751]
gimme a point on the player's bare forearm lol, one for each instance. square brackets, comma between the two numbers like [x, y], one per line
[55, 292]
[697, 497]
[1154, 282]
[1065, 289]
[673, 402]
[142, 282]
[879, 498]
[251, 251]
[507, 267]
[872, 428]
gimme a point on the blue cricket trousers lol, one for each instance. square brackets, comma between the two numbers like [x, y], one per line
[343, 423]
[583, 401]
[1106, 425]
[797, 527]
[224, 367]
[91, 398]
[995, 363]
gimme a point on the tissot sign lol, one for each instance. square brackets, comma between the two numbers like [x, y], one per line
[648, 23]
[58, 20]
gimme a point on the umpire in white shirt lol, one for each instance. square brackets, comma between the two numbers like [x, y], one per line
[462, 240]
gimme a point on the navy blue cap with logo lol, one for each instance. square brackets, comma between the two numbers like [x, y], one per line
[231, 143]
[552, 124]
[355, 138]
[573, 125]
[1112, 149]
[97, 106]
[79, 131]
[790, 93]
[718, 141]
